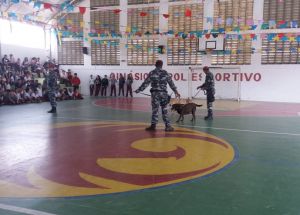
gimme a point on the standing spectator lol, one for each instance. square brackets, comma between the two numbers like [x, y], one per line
[18, 65]
[75, 82]
[38, 63]
[129, 82]
[97, 85]
[113, 82]
[121, 84]
[33, 65]
[70, 77]
[12, 62]
[52, 85]
[25, 64]
[92, 85]
[11, 58]
[63, 77]
[5, 62]
[104, 83]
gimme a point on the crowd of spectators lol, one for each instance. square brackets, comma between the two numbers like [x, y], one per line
[25, 82]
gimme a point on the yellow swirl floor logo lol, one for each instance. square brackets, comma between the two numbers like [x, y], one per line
[88, 158]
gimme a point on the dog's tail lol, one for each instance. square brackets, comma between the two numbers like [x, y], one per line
[199, 105]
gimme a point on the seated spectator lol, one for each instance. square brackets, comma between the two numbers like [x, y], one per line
[58, 95]
[40, 92]
[10, 97]
[35, 97]
[27, 96]
[20, 100]
[66, 95]
[1, 96]
[76, 95]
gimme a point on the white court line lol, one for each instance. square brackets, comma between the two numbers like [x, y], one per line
[194, 126]
[242, 130]
[22, 210]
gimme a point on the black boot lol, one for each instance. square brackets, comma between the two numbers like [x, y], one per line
[53, 110]
[209, 115]
[169, 128]
[151, 128]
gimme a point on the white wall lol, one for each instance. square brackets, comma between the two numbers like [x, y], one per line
[23, 40]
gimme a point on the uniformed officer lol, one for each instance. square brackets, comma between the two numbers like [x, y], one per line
[52, 87]
[159, 79]
[209, 87]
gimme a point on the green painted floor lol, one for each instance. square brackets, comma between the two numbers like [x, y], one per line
[265, 179]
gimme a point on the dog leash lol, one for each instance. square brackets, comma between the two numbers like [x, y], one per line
[196, 93]
[150, 95]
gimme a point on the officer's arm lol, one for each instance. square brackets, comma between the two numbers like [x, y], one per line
[172, 85]
[207, 83]
[144, 84]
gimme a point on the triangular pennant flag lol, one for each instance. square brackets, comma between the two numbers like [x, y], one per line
[48, 6]
[207, 36]
[280, 35]
[82, 10]
[188, 12]
[214, 35]
[143, 14]
[116, 11]
[166, 15]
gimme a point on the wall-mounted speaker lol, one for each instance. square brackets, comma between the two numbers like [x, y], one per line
[84, 50]
[161, 49]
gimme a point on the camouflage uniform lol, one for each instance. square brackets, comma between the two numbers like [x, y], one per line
[209, 87]
[159, 96]
[52, 87]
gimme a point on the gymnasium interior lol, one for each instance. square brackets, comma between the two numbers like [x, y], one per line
[94, 156]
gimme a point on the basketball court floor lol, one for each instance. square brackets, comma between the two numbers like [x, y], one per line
[94, 157]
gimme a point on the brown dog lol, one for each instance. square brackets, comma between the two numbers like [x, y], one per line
[185, 109]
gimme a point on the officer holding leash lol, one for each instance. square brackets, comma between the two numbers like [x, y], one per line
[159, 79]
[209, 88]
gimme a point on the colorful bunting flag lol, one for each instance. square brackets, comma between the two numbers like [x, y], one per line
[48, 6]
[188, 12]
